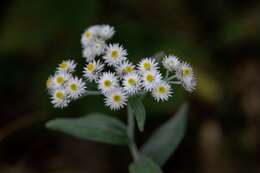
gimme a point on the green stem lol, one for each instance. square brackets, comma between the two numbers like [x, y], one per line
[88, 93]
[130, 133]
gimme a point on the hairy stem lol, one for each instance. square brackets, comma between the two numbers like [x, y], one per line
[92, 93]
[130, 133]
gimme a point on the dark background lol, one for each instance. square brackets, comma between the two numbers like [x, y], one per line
[220, 38]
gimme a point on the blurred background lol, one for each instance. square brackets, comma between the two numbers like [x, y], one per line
[221, 40]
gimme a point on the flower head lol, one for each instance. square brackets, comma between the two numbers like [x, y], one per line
[147, 64]
[131, 83]
[171, 63]
[116, 99]
[75, 87]
[89, 34]
[107, 82]
[67, 66]
[125, 68]
[114, 54]
[106, 32]
[185, 74]
[59, 79]
[162, 91]
[92, 70]
[59, 98]
[150, 79]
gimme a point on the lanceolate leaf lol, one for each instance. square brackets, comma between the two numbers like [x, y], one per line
[165, 140]
[137, 108]
[96, 127]
[144, 165]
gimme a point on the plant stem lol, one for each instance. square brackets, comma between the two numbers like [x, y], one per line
[92, 93]
[130, 133]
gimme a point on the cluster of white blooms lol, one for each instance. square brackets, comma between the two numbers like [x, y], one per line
[115, 76]
[63, 86]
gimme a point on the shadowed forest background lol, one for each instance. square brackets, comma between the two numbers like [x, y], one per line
[221, 40]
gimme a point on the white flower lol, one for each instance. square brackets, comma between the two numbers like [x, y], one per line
[171, 63]
[125, 68]
[150, 79]
[93, 70]
[107, 82]
[106, 32]
[147, 64]
[89, 54]
[185, 74]
[114, 54]
[162, 91]
[49, 83]
[59, 98]
[95, 48]
[59, 79]
[75, 88]
[89, 34]
[67, 66]
[184, 71]
[189, 83]
[116, 99]
[131, 83]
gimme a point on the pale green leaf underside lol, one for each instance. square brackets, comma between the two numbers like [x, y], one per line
[166, 139]
[144, 165]
[95, 127]
[136, 106]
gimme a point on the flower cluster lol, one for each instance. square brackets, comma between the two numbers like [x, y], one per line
[116, 77]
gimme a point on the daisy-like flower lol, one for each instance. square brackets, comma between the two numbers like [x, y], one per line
[125, 68]
[147, 64]
[185, 74]
[150, 79]
[162, 91]
[89, 34]
[75, 88]
[49, 83]
[92, 70]
[116, 99]
[59, 79]
[106, 32]
[107, 82]
[131, 83]
[67, 66]
[184, 71]
[114, 54]
[171, 63]
[189, 83]
[89, 54]
[59, 98]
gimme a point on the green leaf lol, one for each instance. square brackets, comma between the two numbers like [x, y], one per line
[144, 165]
[165, 139]
[96, 127]
[137, 108]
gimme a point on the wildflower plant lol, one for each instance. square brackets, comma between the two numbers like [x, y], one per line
[122, 84]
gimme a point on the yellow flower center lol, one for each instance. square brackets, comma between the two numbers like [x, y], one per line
[185, 71]
[87, 34]
[59, 95]
[128, 69]
[60, 79]
[116, 98]
[114, 54]
[150, 78]
[63, 65]
[107, 83]
[147, 65]
[91, 67]
[73, 87]
[161, 89]
[131, 81]
[48, 83]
